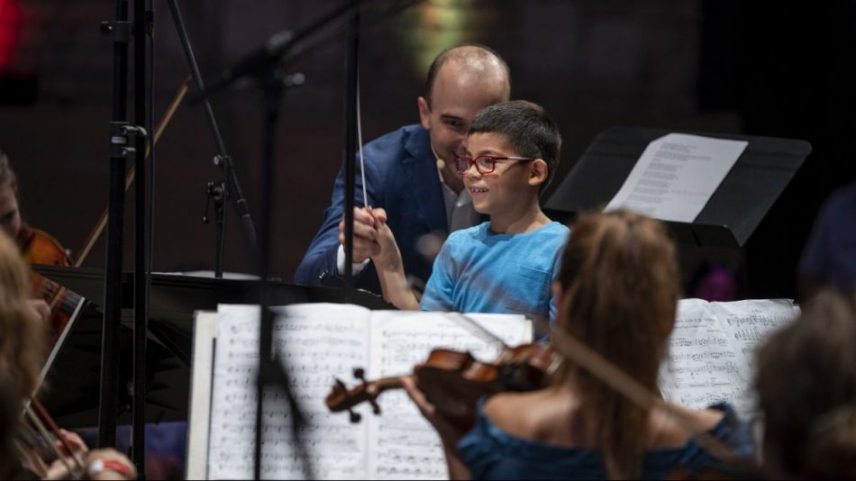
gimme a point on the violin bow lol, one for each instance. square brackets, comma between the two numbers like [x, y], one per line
[129, 180]
[43, 413]
[41, 431]
[476, 329]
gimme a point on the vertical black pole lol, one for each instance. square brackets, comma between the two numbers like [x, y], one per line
[113, 272]
[351, 80]
[272, 87]
[141, 241]
[272, 370]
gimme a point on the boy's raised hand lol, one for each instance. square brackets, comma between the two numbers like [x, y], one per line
[390, 268]
[387, 256]
[365, 233]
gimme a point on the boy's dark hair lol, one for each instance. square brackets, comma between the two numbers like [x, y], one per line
[465, 51]
[527, 127]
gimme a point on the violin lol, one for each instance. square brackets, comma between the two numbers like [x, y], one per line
[454, 381]
[40, 442]
[39, 247]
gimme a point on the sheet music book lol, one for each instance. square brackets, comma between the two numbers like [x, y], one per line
[321, 342]
[711, 359]
[712, 351]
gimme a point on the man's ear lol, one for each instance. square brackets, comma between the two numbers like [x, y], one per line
[538, 172]
[424, 112]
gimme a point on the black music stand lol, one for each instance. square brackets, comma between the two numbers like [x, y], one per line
[73, 377]
[736, 208]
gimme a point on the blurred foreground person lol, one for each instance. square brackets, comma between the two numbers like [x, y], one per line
[23, 339]
[806, 383]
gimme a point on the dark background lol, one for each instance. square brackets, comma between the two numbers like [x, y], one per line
[721, 66]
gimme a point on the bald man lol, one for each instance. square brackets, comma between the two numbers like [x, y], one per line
[410, 173]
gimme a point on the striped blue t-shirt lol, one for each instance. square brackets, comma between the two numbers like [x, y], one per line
[479, 270]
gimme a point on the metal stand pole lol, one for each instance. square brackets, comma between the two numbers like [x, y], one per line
[231, 187]
[119, 150]
[142, 241]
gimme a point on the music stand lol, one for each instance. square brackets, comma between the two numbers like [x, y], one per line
[73, 379]
[730, 216]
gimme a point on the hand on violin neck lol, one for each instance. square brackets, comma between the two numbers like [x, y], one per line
[449, 432]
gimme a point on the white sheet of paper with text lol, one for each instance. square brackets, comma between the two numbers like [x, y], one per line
[676, 176]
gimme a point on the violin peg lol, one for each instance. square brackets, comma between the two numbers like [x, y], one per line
[375, 406]
[340, 385]
[355, 417]
[360, 374]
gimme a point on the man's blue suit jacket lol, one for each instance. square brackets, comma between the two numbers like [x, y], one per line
[401, 177]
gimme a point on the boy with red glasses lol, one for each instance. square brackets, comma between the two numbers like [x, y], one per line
[507, 264]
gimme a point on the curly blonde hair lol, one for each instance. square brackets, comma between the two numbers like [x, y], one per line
[23, 338]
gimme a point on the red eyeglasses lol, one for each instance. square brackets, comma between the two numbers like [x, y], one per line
[485, 164]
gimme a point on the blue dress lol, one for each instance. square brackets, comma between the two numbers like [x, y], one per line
[491, 453]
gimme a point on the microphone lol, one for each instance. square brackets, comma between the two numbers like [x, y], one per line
[272, 52]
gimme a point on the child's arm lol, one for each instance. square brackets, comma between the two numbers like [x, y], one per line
[390, 268]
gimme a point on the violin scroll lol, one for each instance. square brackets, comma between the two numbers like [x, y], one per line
[343, 399]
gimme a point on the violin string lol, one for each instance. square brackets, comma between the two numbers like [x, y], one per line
[29, 460]
[46, 436]
[29, 437]
[43, 413]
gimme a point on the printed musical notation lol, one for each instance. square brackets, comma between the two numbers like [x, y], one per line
[712, 351]
[400, 341]
[314, 350]
[317, 343]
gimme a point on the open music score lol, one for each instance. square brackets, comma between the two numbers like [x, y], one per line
[321, 342]
[712, 351]
[711, 360]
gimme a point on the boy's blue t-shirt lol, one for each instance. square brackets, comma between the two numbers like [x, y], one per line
[479, 270]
